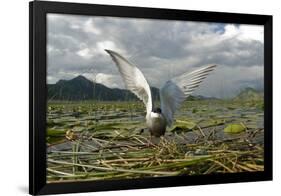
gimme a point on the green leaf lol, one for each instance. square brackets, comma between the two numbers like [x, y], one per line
[54, 132]
[183, 126]
[234, 128]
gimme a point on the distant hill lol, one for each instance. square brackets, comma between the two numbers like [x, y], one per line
[80, 88]
[249, 94]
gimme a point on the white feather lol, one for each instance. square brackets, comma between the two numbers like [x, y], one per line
[176, 90]
[154, 115]
[133, 79]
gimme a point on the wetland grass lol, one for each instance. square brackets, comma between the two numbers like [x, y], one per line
[104, 141]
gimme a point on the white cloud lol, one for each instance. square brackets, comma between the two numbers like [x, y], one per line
[98, 50]
[51, 79]
[254, 32]
[244, 32]
[227, 81]
[84, 53]
[107, 44]
[89, 27]
[109, 80]
[160, 48]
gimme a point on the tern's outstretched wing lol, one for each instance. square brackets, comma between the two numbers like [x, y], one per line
[175, 91]
[133, 79]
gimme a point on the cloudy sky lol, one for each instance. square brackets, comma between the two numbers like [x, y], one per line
[161, 49]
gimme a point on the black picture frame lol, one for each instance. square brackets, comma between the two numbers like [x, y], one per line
[38, 94]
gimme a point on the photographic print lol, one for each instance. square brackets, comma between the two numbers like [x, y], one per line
[131, 98]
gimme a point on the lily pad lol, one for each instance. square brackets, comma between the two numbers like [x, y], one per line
[54, 132]
[54, 136]
[188, 124]
[180, 128]
[183, 126]
[211, 122]
[234, 128]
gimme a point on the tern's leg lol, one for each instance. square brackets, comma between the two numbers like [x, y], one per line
[149, 143]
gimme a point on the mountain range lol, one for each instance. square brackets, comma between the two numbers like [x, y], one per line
[249, 94]
[81, 88]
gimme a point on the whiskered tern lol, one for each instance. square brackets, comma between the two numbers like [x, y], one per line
[172, 93]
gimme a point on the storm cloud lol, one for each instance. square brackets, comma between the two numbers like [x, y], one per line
[161, 49]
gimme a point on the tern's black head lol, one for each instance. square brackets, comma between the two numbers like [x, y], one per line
[157, 110]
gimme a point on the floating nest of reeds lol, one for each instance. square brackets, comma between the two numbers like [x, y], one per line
[85, 157]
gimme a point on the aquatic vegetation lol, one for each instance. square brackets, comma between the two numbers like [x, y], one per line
[234, 128]
[93, 140]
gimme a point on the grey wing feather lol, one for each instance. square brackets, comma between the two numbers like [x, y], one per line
[176, 90]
